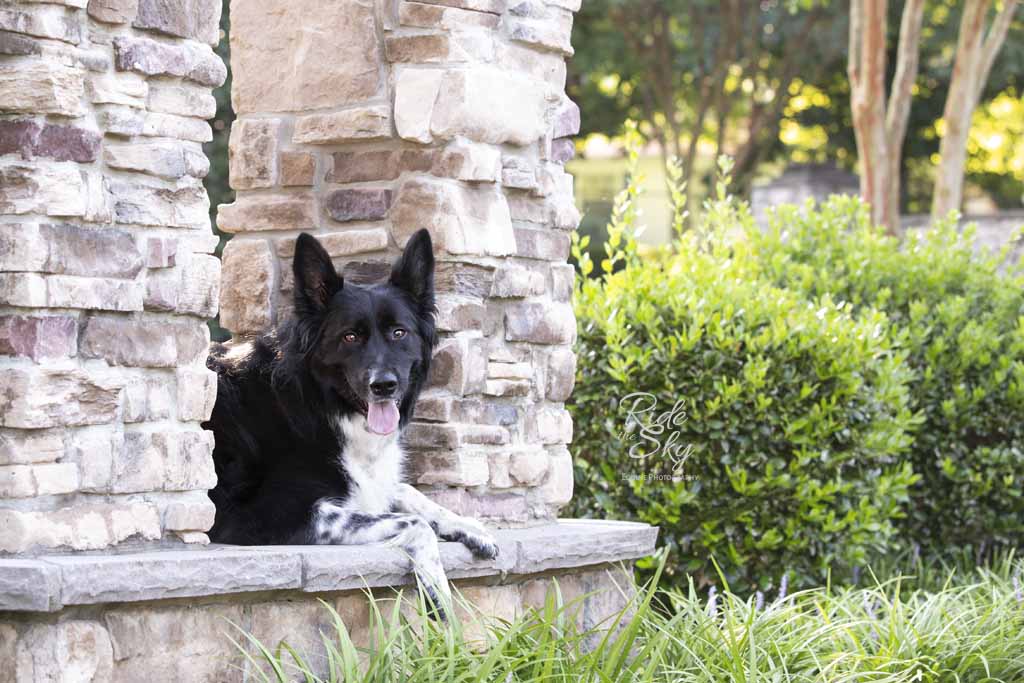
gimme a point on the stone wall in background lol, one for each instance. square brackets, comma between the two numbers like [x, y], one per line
[106, 272]
[361, 121]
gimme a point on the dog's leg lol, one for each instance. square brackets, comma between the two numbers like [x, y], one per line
[334, 524]
[447, 524]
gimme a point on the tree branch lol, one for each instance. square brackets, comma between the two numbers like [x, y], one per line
[994, 42]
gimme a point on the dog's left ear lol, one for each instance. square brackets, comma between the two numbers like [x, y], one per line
[413, 272]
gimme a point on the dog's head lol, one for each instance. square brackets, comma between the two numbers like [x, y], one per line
[369, 345]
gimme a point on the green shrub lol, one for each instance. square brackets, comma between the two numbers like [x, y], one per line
[784, 451]
[959, 316]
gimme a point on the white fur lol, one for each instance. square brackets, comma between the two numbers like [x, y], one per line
[374, 465]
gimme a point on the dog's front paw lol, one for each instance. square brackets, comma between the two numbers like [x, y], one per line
[482, 545]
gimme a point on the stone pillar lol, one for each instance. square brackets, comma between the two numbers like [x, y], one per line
[106, 272]
[361, 121]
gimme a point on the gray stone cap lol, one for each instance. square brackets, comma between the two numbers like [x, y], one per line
[50, 582]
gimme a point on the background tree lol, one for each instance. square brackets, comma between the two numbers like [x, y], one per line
[976, 52]
[700, 72]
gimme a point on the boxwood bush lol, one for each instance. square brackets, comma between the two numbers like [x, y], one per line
[768, 431]
[958, 314]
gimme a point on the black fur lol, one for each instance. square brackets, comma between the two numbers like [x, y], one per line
[276, 449]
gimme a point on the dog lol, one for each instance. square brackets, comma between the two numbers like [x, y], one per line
[309, 415]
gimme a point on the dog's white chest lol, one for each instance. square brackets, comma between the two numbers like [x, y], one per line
[373, 464]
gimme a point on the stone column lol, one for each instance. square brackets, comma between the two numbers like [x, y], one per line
[361, 121]
[106, 272]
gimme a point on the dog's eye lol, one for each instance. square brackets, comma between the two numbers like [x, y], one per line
[398, 333]
[350, 337]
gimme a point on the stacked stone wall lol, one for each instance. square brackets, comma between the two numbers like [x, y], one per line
[106, 272]
[365, 120]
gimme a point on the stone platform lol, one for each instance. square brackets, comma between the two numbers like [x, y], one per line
[168, 614]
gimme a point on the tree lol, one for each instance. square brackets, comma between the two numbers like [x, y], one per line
[703, 77]
[881, 127]
[975, 54]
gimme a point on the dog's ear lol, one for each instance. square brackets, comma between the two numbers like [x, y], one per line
[316, 280]
[413, 272]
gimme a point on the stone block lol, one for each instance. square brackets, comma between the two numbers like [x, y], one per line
[465, 279]
[40, 338]
[64, 651]
[45, 87]
[458, 366]
[490, 6]
[83, 527]
[161, 252]
[545, 67]
[69, 250]
[493, 506]
[42, 21]
[125, 89]
[461, 220]
[34, 398]
[113, 11]
[117, 120]
[455, 314]
[518, 173]
[188, 460]
[133, 342]
[552, 32]
[247, 286]
[561, 374]
[345, 243]
[186, 60]
[17, 45]
[507, 387]
[196, 513]
[563, 280]
[549, 425]
[181, 99]
[19, 447]
[253, 213]
[528, 468]
[28, 481]
[147, 398]
[22, 289]
[567, 119]
[163, 159]
[101, 294]
[557, 488]
[384, 164]
[469, 161]
[429, 408]
[515, 113]
[297, 168]
[303, 55]
[187, 206]
[563, 150]
[61, 143]
[357, 204]
[364, 123]
[515, 282]
[503, 370]
[199, 286]
[197, 393]
[449, 468]
[252, 153]
[542, 244]
[54, 190]
[196, 19]
[416, 93]
[423, 15]
[552, 323]
[94, 451]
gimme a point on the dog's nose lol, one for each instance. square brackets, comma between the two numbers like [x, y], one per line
[383, 384]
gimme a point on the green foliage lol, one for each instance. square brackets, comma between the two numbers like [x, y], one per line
[959, 316]
[784, 420]
[969, 630]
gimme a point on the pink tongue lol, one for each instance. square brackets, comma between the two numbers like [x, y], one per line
[382, 416]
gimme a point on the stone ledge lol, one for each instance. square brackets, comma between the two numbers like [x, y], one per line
[51, 582]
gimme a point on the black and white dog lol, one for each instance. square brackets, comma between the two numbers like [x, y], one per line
[308, 417]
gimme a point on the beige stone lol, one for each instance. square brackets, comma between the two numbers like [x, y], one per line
[164, 159]
[196, 512]
[252, 153]
[57, 189]
[449, 468]
[344, 243]
[66, 651]
[41, 87]
[181, 99]
[49, 397]
[281, 62]
[462, 220]
[469, 161]
[364, 123]
[557, 488]
[297, 168]
[515, 112]
[26, 447]
[528, 467]
[247, 285]
[254, 213]
[26, 481]
[125, 89]
[421, 15]
[416, 92]
[197, 393]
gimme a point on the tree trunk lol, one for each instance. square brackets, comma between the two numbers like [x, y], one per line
[975, 55]
[900, 97]
[867, 84]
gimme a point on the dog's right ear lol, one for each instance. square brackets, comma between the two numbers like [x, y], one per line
[316, 280]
